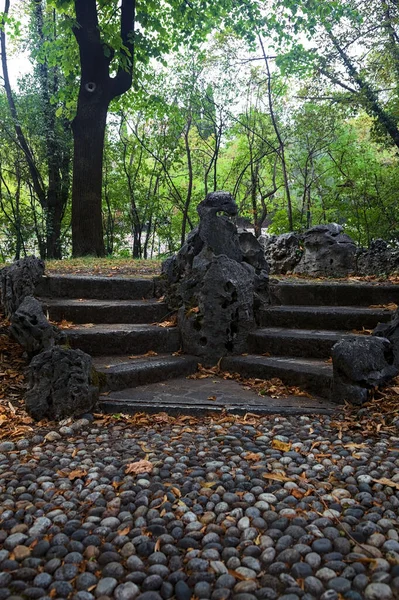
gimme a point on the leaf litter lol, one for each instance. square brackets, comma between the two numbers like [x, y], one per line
[274, 388]
[15, 423]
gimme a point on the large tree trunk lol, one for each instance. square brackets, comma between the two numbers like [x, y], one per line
[88, 134]
[97, 89]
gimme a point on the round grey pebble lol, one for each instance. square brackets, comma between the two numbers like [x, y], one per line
[182, 591]
[339, 584]
[313, 586]
[105, 586]
[378, 591]
[126, 591]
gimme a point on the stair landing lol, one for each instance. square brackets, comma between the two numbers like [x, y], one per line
[199, 396]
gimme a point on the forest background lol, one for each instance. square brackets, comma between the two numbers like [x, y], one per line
[292, 106]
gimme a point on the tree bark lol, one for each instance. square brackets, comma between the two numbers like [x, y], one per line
[88, 132]
[97, 89]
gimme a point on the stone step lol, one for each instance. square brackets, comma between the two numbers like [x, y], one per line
[123, 339]
[105, 311]
[199, 397]
[310, 374]
[295, 342]
[119, 372]
[102, 288]
[325, 317]
[333, 293]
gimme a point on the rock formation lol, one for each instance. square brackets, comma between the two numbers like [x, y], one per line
[327, 252]
[360, 365]
[31, 329]
[19, 281]
[390, 331]
[61, 383]
[282, 252]
[378, 259]
[216, 282]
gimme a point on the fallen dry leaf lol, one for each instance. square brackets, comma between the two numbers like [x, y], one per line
[253, 456]
[140, 466]
[77, 474]
[283, 446]
[386, 481]
[390, 306]
[146, 355]
[172, 322]
[276, 477]
[64, 324]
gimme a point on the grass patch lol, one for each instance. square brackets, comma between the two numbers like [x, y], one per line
[110, 267]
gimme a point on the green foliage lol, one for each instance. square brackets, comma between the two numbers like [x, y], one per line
[198, 118]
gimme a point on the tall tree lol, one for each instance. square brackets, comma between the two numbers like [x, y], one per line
[51, 189]
[107, 60]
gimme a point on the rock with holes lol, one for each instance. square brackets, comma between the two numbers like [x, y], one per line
[217, 310]
[217, 281]
[360, 365]
[19, 281]
[378, 259]
[328, 252]
[31, 329]
[215, 233]
[282, 252]
[61, 383]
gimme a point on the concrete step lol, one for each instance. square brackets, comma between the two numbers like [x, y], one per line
[124, 339]
[105, 311]
[102, 288]
[333, 293]
[295, 342]
[199, 397]
[310, 374]
[324, 317]
[120, 372]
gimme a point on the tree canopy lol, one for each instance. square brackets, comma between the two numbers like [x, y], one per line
[131, 112]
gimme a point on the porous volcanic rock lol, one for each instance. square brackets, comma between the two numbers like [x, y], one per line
[378, 259]
[216, 281]
[30, 328]
[61, 383]
[282, 252]
[328, 252]
[360, 365]
[19, 281]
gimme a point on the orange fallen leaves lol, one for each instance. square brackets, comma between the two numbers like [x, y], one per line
[140, 466]
[146, 355]
[15, 423]
[388, 482]
[283, 446]
[390, 306]
[64, 324]
[77, 474]
[272, 387]
[252, 456]
[172, 322]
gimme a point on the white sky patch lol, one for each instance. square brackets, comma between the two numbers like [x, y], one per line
[17, 59]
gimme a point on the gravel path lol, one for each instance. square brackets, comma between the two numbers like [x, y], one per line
[254, 509]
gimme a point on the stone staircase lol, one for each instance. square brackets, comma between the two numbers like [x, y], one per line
[115, 320]
[302, 325]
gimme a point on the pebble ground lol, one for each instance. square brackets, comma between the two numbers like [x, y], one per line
[282, 508]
